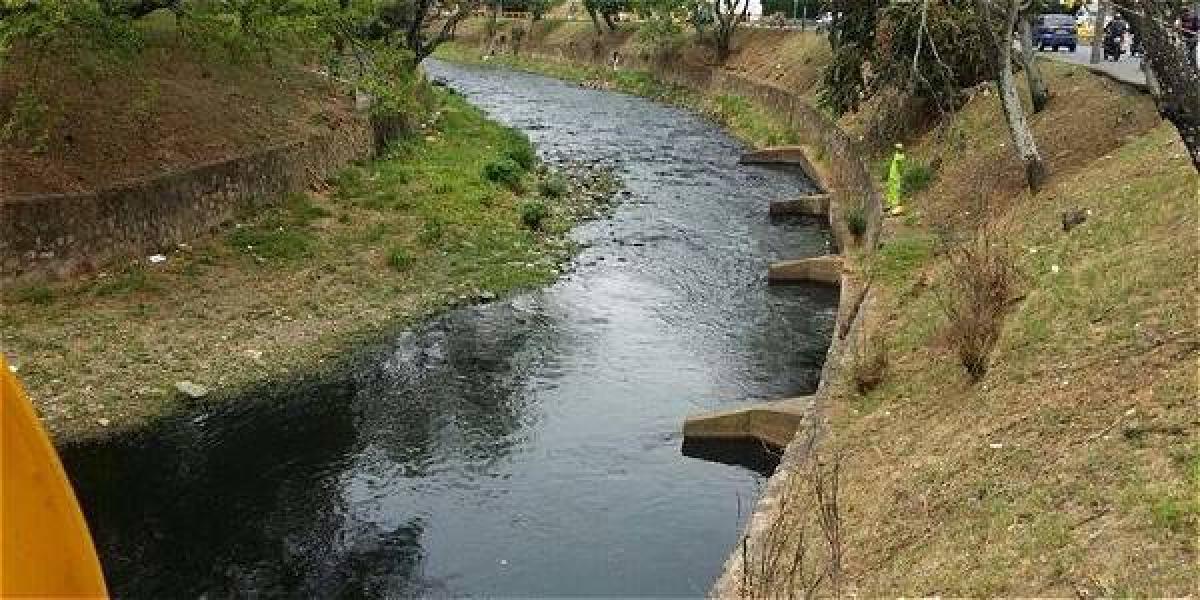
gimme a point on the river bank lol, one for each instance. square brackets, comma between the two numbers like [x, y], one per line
[298, 288]
[1070, 468]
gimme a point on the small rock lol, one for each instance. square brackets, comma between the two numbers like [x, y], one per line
[194, 391]
[1074, 218]
[103, 422]
[487, 295]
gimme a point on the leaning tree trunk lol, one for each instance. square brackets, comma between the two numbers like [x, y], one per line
[591, 10]
[1014, 114]
[1178, 81]
[1033, 72]
[1098, 32]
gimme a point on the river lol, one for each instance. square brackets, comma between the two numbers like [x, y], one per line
[527, 447]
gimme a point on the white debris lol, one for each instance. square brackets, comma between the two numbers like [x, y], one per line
[995, 446]
[194, 391]
[157, 258]
[1054, 269]
[103, 422]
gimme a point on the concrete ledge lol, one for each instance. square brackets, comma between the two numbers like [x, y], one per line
[823, 269]
[786, 155]
[772, 423]
[776, 155]
[816, 205]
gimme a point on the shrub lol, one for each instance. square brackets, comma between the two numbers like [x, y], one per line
[505, 171]
[400, 258]
[980, 283]
[856, 220]
[431, 231]
[917, 177]
[520, 150]
[533, 213]
[553, 186]
[870, 363]
[39, 294]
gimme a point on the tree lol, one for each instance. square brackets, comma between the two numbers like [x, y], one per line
[1098, 32]
[412, 23]
[1177, 80]
[852, 41]
[727, 15]
[1038, 92]
[606, 9]
[929, 51]
[1001, 47]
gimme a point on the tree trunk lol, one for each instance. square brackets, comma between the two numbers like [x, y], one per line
[1014, 113]
[1033, 72]
[1151, 80]
[1022, 135]
[1098, 32]
[727, 18]
[1178, 81]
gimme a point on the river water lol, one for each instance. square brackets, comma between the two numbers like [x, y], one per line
[528, 447]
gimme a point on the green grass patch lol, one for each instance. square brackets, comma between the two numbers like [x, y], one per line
[400, 258]
[128, 281]
[39, 294]
[898, 259]
[749, 123]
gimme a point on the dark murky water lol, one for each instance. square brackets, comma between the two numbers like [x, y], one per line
[522, 448]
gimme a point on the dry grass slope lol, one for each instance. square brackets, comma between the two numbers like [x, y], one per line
[1072, 466]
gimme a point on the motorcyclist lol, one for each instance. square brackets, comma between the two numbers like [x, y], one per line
[1190, 24]
[1114, 35]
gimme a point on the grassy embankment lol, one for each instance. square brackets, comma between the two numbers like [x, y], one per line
[1071, 467]
[451, 214]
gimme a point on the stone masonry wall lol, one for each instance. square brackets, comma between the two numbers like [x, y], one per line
[63, 234]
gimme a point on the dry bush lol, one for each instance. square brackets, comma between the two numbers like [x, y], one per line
[871, 361]
[800, 556]
[980, 283]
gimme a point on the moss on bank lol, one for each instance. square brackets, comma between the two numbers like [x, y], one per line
[283, 292]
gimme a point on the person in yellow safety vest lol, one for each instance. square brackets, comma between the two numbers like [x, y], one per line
[895, 182]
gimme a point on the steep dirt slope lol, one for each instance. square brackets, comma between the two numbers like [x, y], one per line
[169, 106]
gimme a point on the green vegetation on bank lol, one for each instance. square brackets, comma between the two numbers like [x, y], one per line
[289, 289]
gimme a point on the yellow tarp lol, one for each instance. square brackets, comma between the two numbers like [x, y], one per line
[46, 550]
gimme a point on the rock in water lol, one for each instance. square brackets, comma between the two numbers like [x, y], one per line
[194, 391]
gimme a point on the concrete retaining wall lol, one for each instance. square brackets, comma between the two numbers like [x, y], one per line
[64, 234]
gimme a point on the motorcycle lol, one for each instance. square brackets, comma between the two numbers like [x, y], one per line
[1112, 47]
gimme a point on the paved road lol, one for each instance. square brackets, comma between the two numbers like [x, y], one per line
[1127, 69]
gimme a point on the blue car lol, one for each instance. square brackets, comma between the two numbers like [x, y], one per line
[1055, 31]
